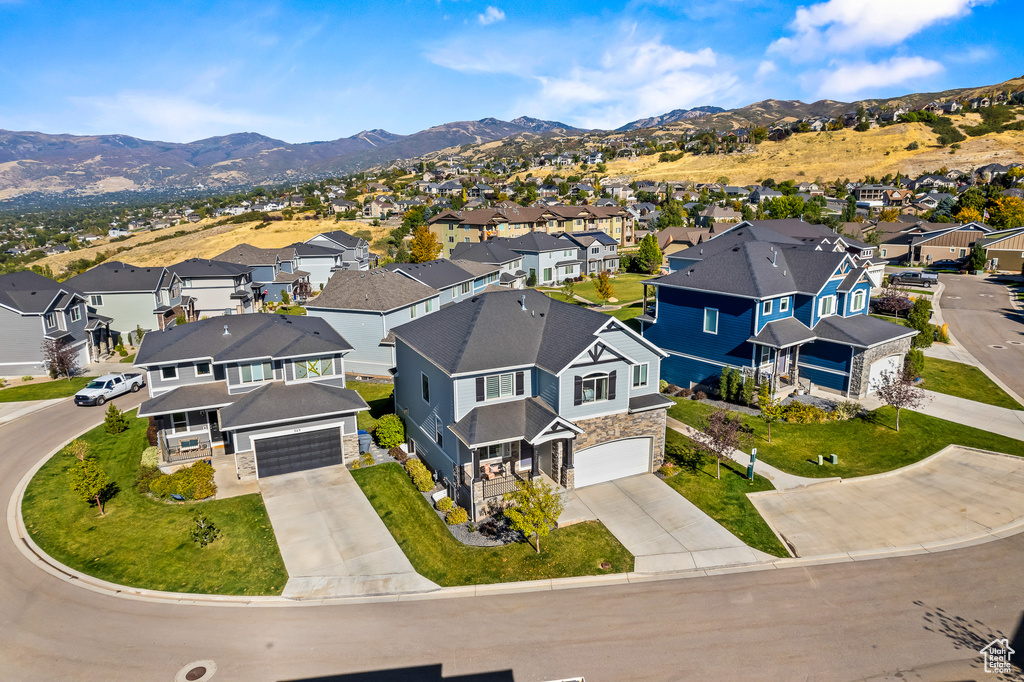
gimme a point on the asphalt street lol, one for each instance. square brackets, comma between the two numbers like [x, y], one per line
[981, 318]
[924, 617]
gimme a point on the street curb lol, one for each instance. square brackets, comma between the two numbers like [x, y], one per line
[31, 551]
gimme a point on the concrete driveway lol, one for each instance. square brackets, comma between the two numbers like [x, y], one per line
[661, 528]
[331, 539]
[955, 494]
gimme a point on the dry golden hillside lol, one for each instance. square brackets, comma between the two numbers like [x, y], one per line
[209, 243]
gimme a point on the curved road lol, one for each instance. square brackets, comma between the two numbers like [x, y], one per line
[980, 316]
[848, 621]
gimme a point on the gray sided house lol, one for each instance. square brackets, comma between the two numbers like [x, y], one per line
[319, 261]
[514, 385]
[493, 253]
[268, 390]
[549, 259]
[454, 280]
[273, 272]
[597, 250]
[216, 287]
[33, 309]
[129, 295]
[365, 307]
[355, 251]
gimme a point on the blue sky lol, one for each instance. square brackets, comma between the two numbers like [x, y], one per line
[303, 71]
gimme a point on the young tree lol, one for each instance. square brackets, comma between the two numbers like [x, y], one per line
[893, 300]
[203, 531]
[285, 298]
[603, 284]
[649, 254]
[535, 509]
[895, 390]
[569, 290]
[721, 432]
[771, 407]
[89, 480]
[60, 357]
[425, 246]
[976, 261]
[114, 420]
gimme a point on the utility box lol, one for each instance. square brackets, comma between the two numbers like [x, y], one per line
[833, 458]
[821, 460]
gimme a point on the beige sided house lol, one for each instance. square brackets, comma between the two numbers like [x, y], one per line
[1005, 249]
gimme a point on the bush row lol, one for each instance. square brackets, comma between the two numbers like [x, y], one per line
[192, 483]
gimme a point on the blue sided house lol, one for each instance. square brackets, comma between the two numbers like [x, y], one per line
[789, 313]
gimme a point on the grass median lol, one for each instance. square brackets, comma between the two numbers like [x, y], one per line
[145, 543]
[964, 381]
[865, 445]
[434, 553]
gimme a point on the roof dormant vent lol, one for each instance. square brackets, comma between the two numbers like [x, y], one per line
[522, 302]
[775, 255]
[226, 332]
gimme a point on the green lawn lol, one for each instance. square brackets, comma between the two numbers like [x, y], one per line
[378, 397]
[867, 445]
[726, 500]
[558, 296]
[575, 550]
[129, 359]
[625, 286]
[291, 310]
[144, 543]
[964, 381]
[59, 388]
[895, 320]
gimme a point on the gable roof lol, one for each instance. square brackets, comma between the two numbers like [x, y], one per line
[202, 268]
[377, 290]
[341, 237]
[253, 336]
[30, 292]
[485, 252]
[437, 274]
[118, 277]
[523, 419]
[534, 242]
[247, 254]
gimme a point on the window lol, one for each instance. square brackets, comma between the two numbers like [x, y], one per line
[169, 372]
[76, 314]
[883, 253]
[566, 254]
[438, 431]
[412, 312]
[498, 386]
[858, 301]
[467, 240]
[308, 368]
[547, 274]
[96, 300]
[765, 355]
[711, 320]
[466, 287]
[451, 239]
[202, 369]
[827, 306]
[428, 305]
[596, 249]
[640, 375]
[51, 319]
[595, 389]
[179, 422]
[257, 371]
[766, 308]
[784, 305]
[424, 387]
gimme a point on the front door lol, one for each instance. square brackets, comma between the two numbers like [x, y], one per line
[782, 366]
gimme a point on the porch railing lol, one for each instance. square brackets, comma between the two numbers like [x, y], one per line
[501, 485]
[177, 453]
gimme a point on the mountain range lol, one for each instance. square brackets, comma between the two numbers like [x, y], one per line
[70, 166]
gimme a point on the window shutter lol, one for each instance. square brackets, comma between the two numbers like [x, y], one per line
[578, 391]
[479, 389]
[519, 383]
[611, 385]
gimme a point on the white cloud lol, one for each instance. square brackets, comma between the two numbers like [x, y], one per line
[491, 15]
[850, 79]
[840, 26]
[168, 117]
[766, 68]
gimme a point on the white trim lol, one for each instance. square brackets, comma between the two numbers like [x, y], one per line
[704, 321]
[766, 307]
[784, 300]
[636, 337]
[166, 378]
[619, 354]
[292, 419]
[257, 437]
[694, 357]
[647, 377]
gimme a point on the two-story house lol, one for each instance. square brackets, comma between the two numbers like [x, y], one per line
[267, 389]
[273, 272]
[492, 252]
[514, 385]
[365, 307]
[779, 311]
[354, 251]
[34, 309]
[129, 295]
[547, 259]
[216, 287]
[455, 280]
[596, 250]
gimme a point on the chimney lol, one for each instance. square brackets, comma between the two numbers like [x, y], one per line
[226, 332]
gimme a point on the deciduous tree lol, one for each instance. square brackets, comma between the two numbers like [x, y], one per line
[721, 432]
[60, 357]
[89, 480]
[425, 246]
[771, 407]
[899, 392]
[603, 284]
[535, 509]
[649, 254]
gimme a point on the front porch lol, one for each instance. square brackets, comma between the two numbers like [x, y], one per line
[185, 437]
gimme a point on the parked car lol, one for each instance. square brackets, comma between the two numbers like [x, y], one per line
[101, 389]
[956, 264]
[923, 279]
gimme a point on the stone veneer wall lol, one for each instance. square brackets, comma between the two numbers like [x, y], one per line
[245, 464]
[616, 427]
[861, 369]
[350, 446]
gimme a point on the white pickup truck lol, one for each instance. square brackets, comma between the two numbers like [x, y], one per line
[101, 389]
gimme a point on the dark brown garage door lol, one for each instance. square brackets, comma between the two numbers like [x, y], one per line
[298, 452]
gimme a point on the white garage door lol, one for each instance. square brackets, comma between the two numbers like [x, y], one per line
[609, 461]
[879, 367]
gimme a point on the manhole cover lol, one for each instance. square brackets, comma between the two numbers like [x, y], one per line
[998, 347]
[1016, 343]
[196, 671]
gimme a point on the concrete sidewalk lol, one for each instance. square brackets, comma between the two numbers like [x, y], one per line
[11, 411]
[1005, 422]
[662, 529]
[780, 479]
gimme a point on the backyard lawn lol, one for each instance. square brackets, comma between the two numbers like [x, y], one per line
[58, 388]
[144, 543]
[866, 445]
[964, 381]
[575, 550]
[726, 500]
[291, 310]
[625, 286]
[128, 359]
[378, 397]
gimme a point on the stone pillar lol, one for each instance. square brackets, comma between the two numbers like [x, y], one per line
[350, 446]
[568, 478]
[794, 370]
[556, 461]
[534, 459]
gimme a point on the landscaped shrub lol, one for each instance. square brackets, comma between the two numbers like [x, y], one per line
[151, 432]
[699, 395]
[662, 385]
[398, 454]
[456, 516]
[150, 456]
[193, 483]
[913, 364]
[847, 409]
[748, 391]
[802, 413]
[114, 420]
[684, 392]
[390, 431]
[445, 505]
[668, 470]
[420, 475]
[145, 476]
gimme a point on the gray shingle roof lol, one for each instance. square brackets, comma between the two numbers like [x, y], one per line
[438, 274]
[195, 397]
[533, 242]
[485, 252]
[859, 331]
[467, 336]
[649, 401]
[278, 402]
[303, 249]
[488, 424]
[115, 277]
[247, 254]
[28, 292]
[342, 237]
[203, 268]
[256, 335]
[377, 290]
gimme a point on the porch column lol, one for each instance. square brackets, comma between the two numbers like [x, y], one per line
[475, 473]
[794, 371]
[644, 309]
[106, 337]
[534, 459]
[568, 472]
